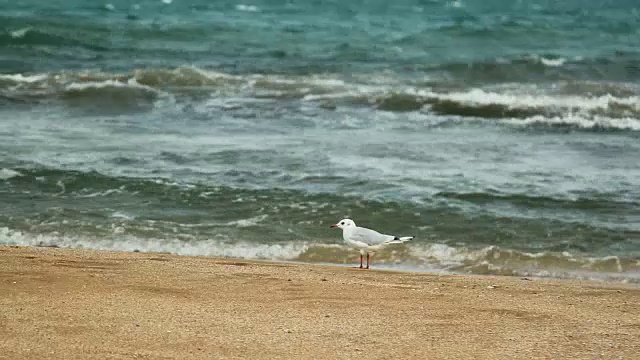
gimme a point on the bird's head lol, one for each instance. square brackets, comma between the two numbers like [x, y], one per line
[344, 223]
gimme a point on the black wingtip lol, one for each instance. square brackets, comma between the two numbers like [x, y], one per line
[396, 238]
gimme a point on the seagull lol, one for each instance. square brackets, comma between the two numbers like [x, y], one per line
[367, 240]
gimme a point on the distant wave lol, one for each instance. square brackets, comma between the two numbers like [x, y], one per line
[531, 201]
[536, 68]
[516, 104]
[110, 95]
[582, 104]
[8, 173]
[34, 36]
[529, 43]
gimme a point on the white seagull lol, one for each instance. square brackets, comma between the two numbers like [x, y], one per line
[367, 240]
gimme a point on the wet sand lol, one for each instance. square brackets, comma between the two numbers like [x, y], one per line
[82, 304]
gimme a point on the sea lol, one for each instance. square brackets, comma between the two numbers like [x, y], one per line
[503, 134]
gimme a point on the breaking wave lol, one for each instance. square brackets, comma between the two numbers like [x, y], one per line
[206, 247]
[579, 104]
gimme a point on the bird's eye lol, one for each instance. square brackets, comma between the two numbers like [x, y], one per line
[342, 223]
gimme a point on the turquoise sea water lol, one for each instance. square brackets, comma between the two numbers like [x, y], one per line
[504, 135]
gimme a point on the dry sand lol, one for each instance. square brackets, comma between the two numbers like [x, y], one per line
[81, 304]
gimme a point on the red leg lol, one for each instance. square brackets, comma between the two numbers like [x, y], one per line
[360, 261]
[367, 260]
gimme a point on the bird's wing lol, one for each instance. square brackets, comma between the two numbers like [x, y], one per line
[369, 237]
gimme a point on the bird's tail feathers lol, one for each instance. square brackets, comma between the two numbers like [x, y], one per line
[400, 240]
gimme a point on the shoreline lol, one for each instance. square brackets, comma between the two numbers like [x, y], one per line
[382, 267]
[559, 274]
[61, 303]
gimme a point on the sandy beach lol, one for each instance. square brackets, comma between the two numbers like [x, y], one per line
[82, 304]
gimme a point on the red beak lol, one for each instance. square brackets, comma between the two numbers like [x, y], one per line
[334, 225]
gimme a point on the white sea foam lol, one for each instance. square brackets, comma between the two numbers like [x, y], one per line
[443, 254]
[553, 62]
[328, 96]
[122, 215]
[20, 33]
[19, 78]
[494, 260]
[107, 84]
[247, 8]
[579, 121]
[101, 193]
[424, 257]
[327, 82]
[212, 74]
[483, 97]
[123, 242]
[8, 174]
[253, 221]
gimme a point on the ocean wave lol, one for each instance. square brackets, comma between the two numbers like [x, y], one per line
[580, 122]
[539, 68]
[252, 221]
[494, 260]
[123, 242]
[140, 90]
[455, 231]
[553, 62]
[290, 200]
[232, 207]
[247, 8]
[183, 82]
[515, 104]
[531, 201]
[479, 96]
[14, 79]
[289, 212]
[489, 260]
[110, 96]
[36, 36]
[8, 173]
[522, 108]
[435, 257]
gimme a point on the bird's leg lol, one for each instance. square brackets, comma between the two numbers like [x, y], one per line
[367, 260]
[360, 261]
